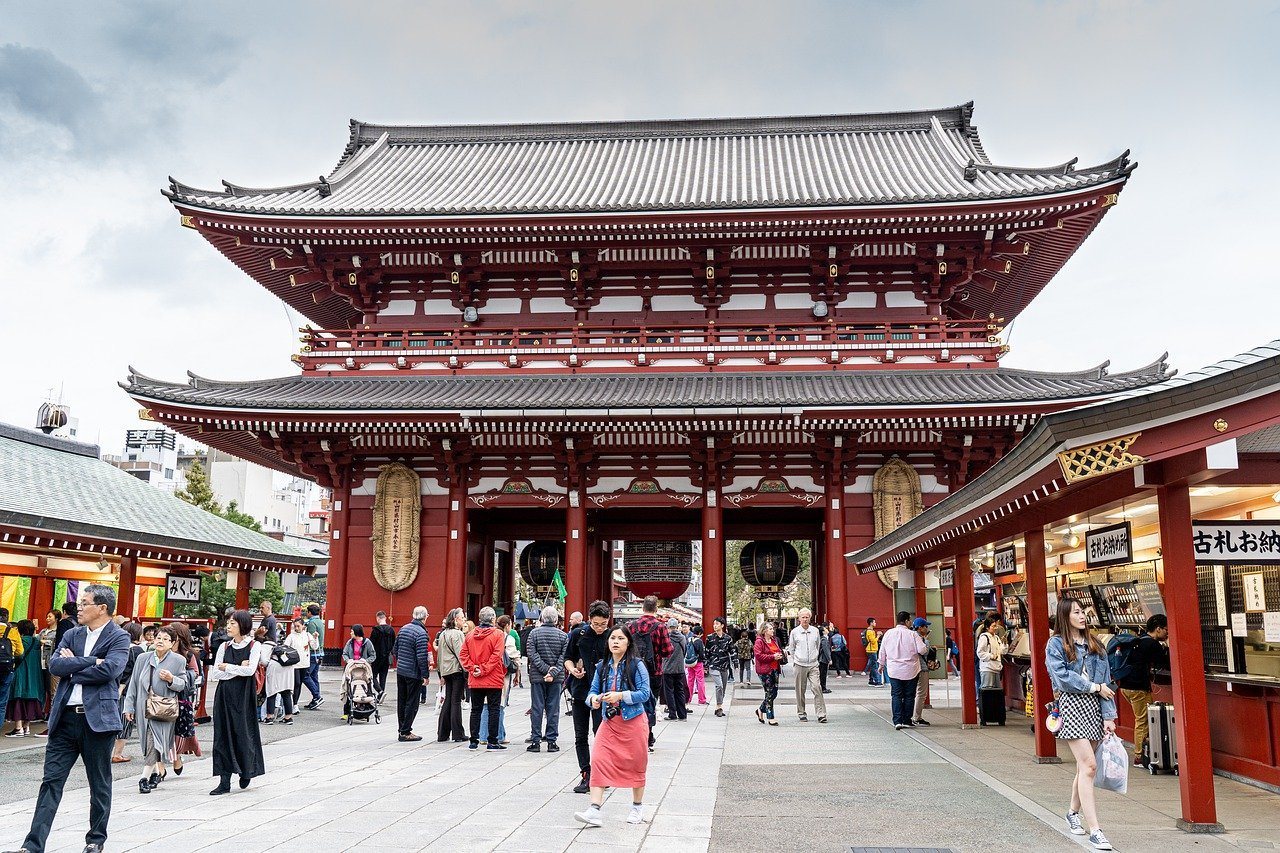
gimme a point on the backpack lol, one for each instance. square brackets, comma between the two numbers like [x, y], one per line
[690, 653]
[864, 639]
[285, 655]
[1120, 651]
[644, 648]
[6, 653]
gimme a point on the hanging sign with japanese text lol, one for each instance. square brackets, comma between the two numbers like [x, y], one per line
[1006, 561]
[185, 588]
[1108, 546]
[946, 577]
[1236, 542]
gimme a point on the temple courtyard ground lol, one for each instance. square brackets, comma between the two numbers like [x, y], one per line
[720, 784]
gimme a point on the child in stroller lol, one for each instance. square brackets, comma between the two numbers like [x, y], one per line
[359, 696]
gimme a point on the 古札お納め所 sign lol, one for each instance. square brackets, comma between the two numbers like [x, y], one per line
[1236, 542]
[1108, 546]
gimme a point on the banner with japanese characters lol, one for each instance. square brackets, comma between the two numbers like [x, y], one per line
[1236, 542]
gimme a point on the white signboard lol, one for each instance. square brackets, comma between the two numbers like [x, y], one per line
[1236, 542]
[1006, 561]
[1108, 546]
[1238, 627]
[182, 588]
[1255, 592]
[1271, 626]
[947, 576]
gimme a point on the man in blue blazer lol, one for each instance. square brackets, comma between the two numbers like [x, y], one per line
[84, 717]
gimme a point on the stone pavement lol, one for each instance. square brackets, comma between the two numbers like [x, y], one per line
[714, 784]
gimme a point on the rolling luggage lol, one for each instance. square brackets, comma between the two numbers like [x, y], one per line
[1162, 742]
[991, 707]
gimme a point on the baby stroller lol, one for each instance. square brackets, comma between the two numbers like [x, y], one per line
[358, 693]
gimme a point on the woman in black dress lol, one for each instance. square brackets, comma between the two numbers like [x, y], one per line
[237, 744]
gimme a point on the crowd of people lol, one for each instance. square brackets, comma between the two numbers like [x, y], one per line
[612, 678]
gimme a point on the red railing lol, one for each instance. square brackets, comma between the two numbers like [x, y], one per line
[577, 347]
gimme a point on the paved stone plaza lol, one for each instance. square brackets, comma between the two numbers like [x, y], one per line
[714, 784]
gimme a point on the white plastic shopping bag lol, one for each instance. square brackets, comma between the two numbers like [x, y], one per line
[1113, 765]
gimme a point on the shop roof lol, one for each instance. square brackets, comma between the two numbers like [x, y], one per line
[1242, 377]
[51, 485]
[926, 156]
[646, 391]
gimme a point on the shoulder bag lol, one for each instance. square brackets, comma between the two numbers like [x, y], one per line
[162, 709]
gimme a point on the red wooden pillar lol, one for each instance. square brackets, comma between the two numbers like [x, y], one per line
[41, 599]
[713, 578]
[335, 600]
[834, 564]
[1195, 756]
[126, 593]
[1038, 611]
[575, 555]
[962, 587]
[242, 589]
[455, 552]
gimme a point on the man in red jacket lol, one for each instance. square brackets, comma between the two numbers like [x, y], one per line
[481, 657]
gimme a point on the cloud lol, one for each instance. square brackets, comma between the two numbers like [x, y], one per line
[40, 94]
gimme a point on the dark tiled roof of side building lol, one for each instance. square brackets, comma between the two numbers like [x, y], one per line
[925, 156]
[646, 391]
[58, 486]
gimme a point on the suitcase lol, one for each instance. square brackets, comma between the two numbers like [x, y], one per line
[991, 707]
[1162, 744]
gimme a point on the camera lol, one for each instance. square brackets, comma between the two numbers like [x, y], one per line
[611, 711]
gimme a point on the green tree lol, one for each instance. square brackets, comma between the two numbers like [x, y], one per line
[197, 491]
[745, 604]
[232, 513]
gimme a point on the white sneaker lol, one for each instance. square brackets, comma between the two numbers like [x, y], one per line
[636, 815]
[591, 817]
[1099, 841]
[1074, 824]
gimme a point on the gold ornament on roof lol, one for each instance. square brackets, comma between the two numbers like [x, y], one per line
[397, 509]
[1094, 460]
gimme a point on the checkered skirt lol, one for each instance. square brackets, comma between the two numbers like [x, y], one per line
[1081, 716]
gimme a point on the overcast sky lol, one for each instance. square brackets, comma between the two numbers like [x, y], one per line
[100, 102]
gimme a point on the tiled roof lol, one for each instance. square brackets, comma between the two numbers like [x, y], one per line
[1254, 372]
[646, 391]
[712, 164]
[62, 487]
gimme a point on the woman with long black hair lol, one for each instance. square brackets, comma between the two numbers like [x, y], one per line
[620, 756]
[1081, 676]
[237, 743]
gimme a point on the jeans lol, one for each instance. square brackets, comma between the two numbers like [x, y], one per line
[770, 682]
[71, 740]
[502, 721]
[873, 670]
[720, 678]
[407, 690]
[449, 724]
[545, 696]
[807, 678]
[312, 677]
[904, 698]
[585, 720]
[695, 675]
[744, 670]
[480, 698]
[6, 685]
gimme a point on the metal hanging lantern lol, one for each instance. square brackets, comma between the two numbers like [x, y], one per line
[664, 569]
[769, 565]
[539, 562]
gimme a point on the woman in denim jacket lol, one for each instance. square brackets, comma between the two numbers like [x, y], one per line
[1081, 677]
[620, 756]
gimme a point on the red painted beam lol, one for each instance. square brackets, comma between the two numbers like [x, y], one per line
[962, 582]
[1038, 613]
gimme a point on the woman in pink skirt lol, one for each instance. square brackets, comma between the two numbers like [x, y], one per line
[620, 756]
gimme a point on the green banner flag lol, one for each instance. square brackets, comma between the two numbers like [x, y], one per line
[560, 592]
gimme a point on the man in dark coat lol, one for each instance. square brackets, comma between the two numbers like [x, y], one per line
[84, 717]
[413, 668]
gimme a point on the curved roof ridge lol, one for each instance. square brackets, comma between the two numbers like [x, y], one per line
[363, 133]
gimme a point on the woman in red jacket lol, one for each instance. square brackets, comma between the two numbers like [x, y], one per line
[768, 665]
[481, 657]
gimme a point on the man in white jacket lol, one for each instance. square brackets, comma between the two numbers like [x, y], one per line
[803, 647]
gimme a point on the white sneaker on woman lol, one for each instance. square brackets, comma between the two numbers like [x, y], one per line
[636, 815]
[1074, 824]
[591, 817]
[1099, 841]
